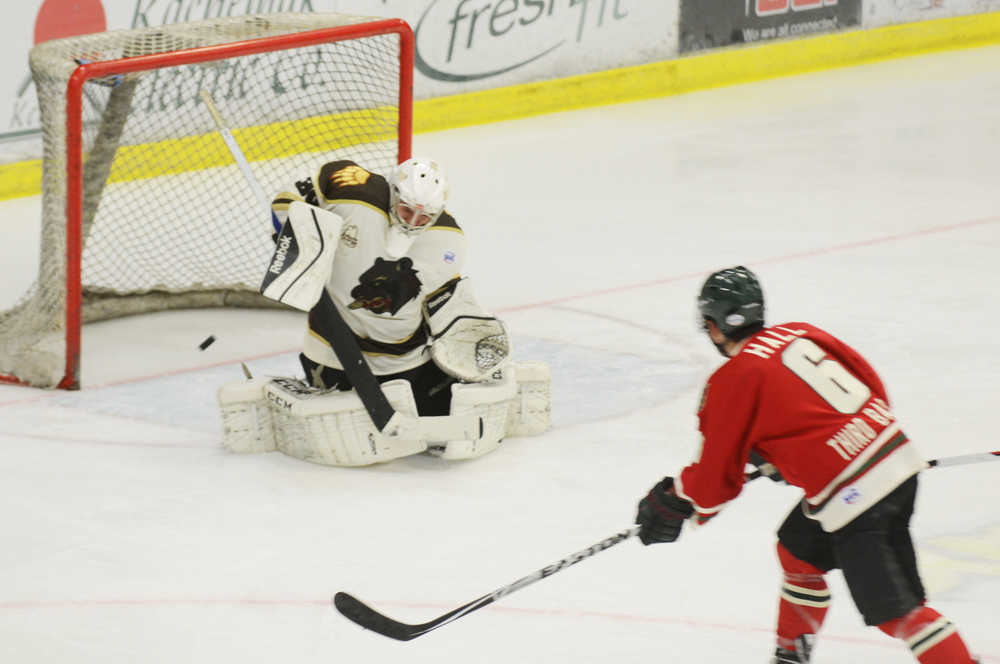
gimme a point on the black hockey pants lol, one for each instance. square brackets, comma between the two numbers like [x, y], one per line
[874, 552]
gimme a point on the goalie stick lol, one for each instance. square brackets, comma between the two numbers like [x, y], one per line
[933, 463]
[361, 614]
[238, 156]
[345, 346]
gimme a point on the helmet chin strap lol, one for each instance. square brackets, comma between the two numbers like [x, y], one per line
[397, 243]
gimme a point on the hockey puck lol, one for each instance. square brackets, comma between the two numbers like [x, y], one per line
[206, 343]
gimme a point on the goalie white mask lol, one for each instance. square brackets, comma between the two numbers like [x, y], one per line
[418, 189]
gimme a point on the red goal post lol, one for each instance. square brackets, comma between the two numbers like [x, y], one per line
[143, 208]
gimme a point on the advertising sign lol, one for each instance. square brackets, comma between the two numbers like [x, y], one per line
[706, 24]
[461, 45]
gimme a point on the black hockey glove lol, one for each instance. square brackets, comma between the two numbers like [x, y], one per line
[662, 513]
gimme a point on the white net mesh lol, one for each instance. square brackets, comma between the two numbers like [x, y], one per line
[168, 220]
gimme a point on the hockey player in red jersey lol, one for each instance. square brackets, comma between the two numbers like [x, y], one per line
[805, 407]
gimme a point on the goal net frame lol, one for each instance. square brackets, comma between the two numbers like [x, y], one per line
[109, 69]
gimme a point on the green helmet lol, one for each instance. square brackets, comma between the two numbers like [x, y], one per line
[733, 300]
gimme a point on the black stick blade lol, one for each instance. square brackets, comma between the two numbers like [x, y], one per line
[361, 614]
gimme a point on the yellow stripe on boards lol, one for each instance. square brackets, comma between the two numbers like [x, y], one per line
[196, 153]
[21, 178]
[725, 66]
[272, 141]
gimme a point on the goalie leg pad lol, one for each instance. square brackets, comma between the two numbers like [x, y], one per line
[531, 412]
[246, 417]
[332, 427]
[492, 402]
[516, 402]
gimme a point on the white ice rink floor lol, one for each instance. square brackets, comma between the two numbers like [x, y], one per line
[866, 199]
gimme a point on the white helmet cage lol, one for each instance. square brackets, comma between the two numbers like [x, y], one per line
[418, 189]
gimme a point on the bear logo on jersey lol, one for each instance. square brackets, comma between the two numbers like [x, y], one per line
[386, 286]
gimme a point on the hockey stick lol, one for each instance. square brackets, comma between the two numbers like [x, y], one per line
[933, 463]
[238, 157]
[964, 458]
[361, 614]
[345, 345]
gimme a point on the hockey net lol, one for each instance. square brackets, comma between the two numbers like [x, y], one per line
[143, 206]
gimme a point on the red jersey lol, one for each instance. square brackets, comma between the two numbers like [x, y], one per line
[814, 408]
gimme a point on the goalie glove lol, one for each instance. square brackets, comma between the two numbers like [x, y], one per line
[662, 513]
[467, 343]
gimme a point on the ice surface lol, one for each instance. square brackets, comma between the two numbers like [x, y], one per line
[864, 198]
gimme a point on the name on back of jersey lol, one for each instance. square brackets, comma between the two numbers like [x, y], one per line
[771, 341]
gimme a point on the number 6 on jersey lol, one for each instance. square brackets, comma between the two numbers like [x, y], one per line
[826, 376]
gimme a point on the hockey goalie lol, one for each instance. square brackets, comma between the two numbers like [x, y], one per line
[385, 254]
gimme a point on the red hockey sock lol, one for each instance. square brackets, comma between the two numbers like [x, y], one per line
[932, 637]
[805, 599]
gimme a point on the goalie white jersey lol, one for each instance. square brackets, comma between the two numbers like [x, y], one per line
[379, 296]
[392, 268]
